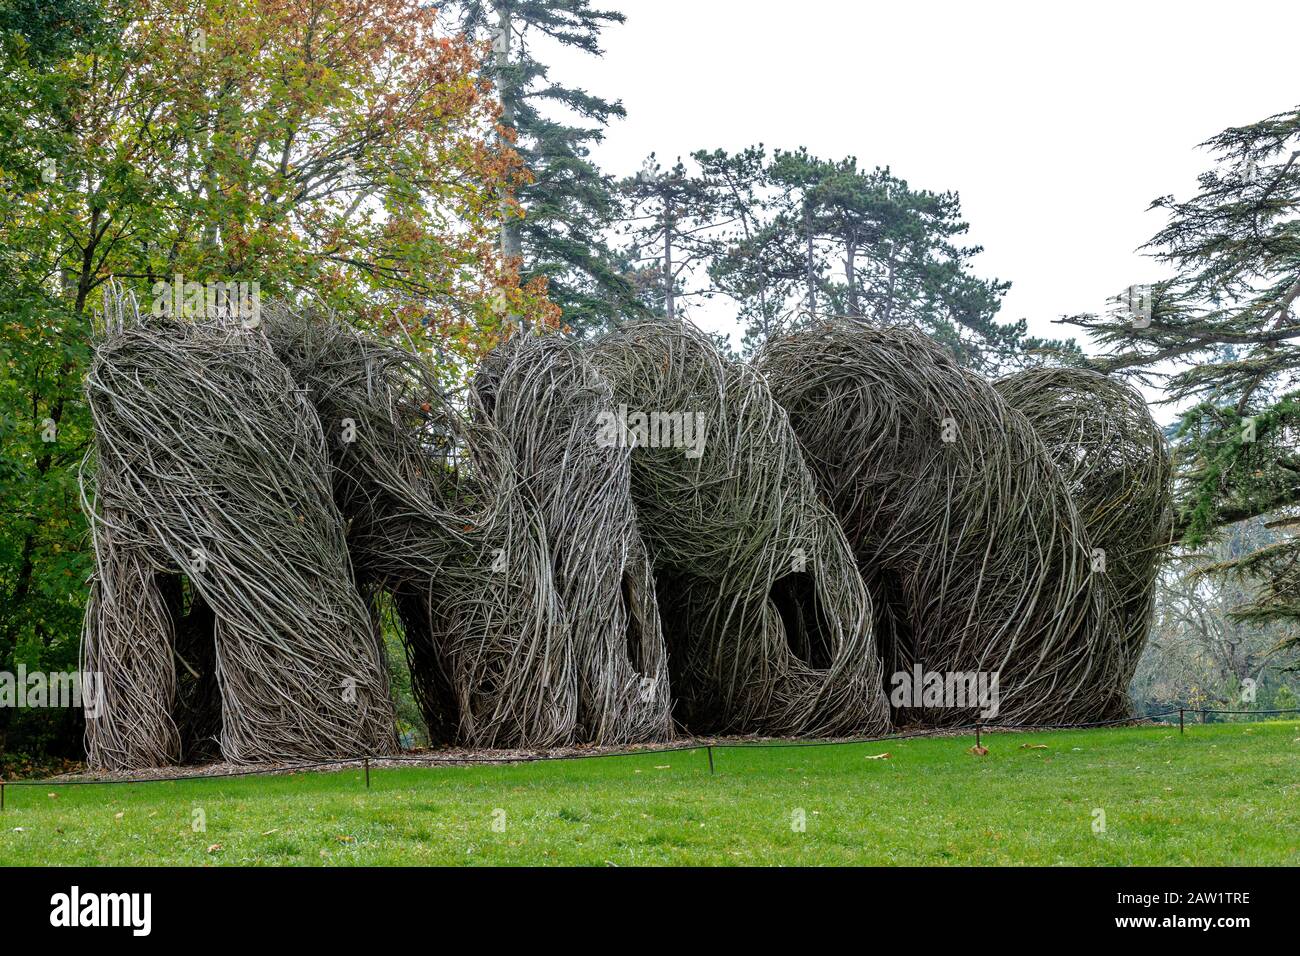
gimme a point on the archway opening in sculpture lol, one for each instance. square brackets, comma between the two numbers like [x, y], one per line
[197, 705]
[893, 624]
[807, 632]
[635, 616]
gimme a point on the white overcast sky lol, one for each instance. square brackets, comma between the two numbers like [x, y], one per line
[1057, 123]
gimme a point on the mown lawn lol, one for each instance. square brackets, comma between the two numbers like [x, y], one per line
[1223, 794]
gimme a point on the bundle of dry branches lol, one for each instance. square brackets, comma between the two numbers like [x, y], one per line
[440, 518]
[1117, 467]
[545, 397]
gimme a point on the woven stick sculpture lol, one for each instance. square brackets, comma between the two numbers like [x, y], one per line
[768, 626]
[552, 406]
[963, 527]
[1117, 467]
[211, 464]
[464, 555]
[593, 542]
[128, 642]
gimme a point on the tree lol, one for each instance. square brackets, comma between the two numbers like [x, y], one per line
[1201, 654]
[1226, 315]
[898, 258]
[806, 236]
[670, 219]
[758, 262]
[557, 229]
[42, 431]
[341, 151]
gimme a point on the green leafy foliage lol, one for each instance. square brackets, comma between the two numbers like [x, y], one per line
[1221, 333]
[569, 203]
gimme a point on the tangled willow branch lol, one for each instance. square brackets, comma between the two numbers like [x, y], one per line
[1117, 469]
[768, 626]
[595, 543]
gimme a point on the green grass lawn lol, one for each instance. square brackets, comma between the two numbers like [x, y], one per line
[1223, 794]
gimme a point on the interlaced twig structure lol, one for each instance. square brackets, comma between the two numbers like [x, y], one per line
[593, 543]
[769, 627]
[211, 465]
[972, 523]
[1117, 468]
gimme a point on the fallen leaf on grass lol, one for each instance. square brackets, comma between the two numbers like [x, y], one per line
[1033, 746]
[884, 756]
[978, 751]
[215, 848]
[53, 796]
[344, 838]
[269, 832]
[118, 816]
[664, 766]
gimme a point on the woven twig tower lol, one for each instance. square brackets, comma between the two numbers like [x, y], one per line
[552, 406]
[211, 465]
[441, 519]
[769, 627]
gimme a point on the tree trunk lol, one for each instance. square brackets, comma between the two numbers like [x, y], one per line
[670, 303]
[511, 245]
[812, 271]
[851, 276]
[889, 292]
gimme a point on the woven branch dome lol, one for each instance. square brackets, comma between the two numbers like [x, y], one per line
[1117, 468]
[768, 626]
[964, 520]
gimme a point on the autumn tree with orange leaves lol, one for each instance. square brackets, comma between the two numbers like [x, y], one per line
[345, 151]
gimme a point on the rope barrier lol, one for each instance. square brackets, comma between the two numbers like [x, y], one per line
[710, 746]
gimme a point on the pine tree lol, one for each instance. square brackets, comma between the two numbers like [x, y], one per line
[1226, 318]
[810, 237]
[759, 262]
[671, 219]
[570, 202]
